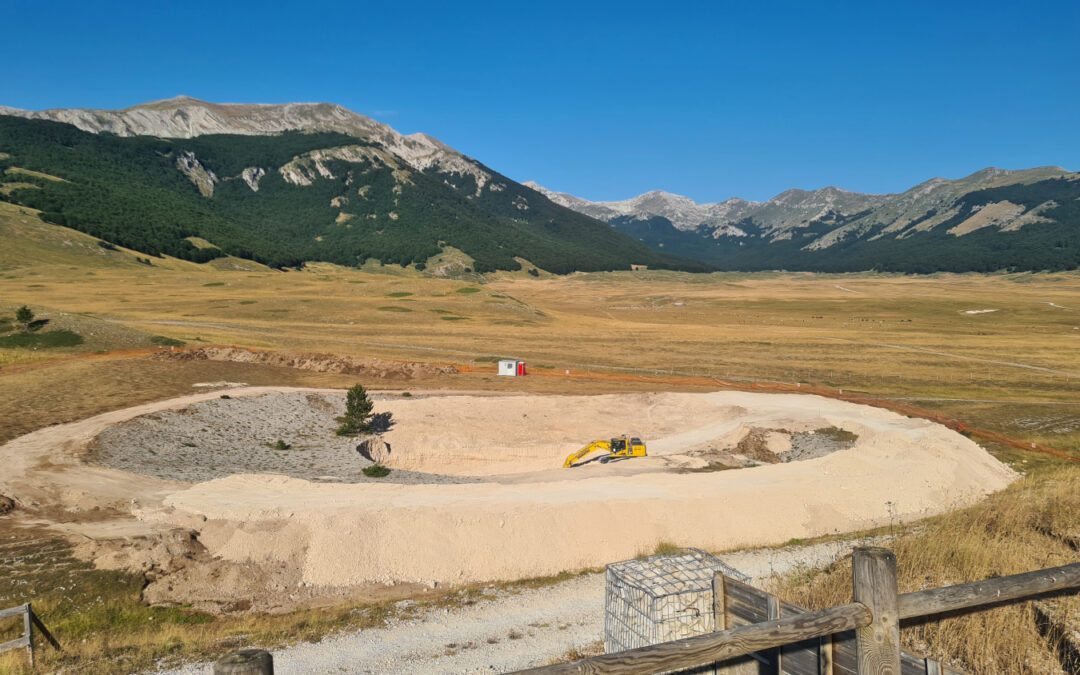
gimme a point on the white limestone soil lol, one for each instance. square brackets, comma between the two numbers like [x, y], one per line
[527, 517]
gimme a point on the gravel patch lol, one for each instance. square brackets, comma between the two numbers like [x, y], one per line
[813, 444]
[227, 436]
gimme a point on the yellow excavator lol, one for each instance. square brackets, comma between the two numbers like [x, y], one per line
[617, 448]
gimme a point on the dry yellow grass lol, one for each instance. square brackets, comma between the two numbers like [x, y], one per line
[1026, 526]
[1015, 370]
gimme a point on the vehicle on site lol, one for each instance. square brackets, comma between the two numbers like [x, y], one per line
[621, 447]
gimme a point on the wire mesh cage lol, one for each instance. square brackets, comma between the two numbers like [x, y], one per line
[660, 598]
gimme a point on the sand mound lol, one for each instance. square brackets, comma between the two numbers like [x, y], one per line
[544, 522]
[322, 363]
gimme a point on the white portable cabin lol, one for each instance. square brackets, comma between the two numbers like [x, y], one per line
[511, 368]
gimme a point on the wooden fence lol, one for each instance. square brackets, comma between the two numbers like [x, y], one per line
[761, 634]
[30, 621]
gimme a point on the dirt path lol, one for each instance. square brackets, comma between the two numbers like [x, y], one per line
[506, 630]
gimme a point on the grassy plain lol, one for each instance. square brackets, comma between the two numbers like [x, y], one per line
[924, 340]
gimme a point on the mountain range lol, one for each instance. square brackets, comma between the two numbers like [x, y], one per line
[993, 219]
[286, 184]
[289, 183]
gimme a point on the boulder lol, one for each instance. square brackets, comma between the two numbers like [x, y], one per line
[374, 449]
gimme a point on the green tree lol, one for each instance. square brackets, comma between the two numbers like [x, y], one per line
[357, 412]
[24, 316]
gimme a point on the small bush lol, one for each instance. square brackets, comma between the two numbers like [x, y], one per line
[406, 394]
[24, 316]
[162, 341]
[215, 283]
[106, 245]
[394, 308]
[533, 271]
[376, 471]
[225, 396]
[468, 289]
[279, 445]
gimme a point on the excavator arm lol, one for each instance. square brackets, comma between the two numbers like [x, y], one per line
[589, 449]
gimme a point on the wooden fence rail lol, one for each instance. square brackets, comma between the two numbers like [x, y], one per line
[30, 621]
[874, 615]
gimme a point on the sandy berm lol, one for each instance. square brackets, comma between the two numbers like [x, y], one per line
[528, 517]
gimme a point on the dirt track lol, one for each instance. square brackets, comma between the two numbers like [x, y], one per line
[533, 523]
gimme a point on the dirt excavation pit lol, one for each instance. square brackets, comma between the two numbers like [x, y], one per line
[453, 439]
[477, 491]
[290, 433]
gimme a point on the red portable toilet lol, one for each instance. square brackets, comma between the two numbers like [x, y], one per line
[520, 367]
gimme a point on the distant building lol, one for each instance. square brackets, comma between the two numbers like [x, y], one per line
[511, 368]
[638, 267]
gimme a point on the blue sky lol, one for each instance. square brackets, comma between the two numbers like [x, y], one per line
[606, 100]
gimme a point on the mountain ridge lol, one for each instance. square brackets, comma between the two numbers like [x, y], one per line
[997, 218]
[289, 183]
[397, 193]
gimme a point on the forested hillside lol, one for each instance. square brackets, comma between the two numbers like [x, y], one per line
[1049, 242]
[294, 197]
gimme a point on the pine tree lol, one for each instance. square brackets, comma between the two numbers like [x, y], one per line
[357, 412]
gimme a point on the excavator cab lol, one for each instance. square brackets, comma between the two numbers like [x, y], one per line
[626, 446]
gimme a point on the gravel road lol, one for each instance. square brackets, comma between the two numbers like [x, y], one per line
[508, 630]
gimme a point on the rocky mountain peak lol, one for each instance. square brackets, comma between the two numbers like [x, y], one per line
[186, 117]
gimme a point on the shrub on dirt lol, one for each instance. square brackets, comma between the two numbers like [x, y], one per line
[7, 505]
[357, 415]
[24, 316]
[376, 471]
[162, 341]
[279, 445]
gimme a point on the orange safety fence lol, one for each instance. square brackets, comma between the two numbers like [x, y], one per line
[685, 380]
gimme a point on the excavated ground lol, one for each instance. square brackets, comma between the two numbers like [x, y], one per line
[222, 437]
[476, 492]
[438, 440]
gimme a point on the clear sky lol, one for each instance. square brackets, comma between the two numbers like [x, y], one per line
[606, 99]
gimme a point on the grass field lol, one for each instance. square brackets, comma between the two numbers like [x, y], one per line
[927, 341]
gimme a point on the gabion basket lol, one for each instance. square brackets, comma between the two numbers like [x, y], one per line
[660, 598]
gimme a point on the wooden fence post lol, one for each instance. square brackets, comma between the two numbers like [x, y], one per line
[774, 655]
[719, 604]
[877, 646]
[28, 630]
